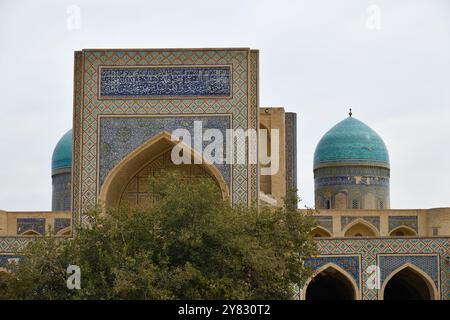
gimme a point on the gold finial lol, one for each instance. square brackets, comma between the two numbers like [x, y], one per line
[350, 113]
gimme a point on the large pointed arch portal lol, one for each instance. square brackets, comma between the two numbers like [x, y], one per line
[330, 282]
[408, 282]
[119, 178]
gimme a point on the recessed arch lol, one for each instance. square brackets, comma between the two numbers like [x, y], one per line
[65, 232]
[118, 177]
[360, 227]
[418, 280]
[403, 231]
[320, 232]
[30, 233]
[349, 284]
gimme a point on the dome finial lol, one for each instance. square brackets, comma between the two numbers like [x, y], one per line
[350, 112]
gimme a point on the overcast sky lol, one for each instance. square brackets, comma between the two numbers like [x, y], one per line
[317, 58]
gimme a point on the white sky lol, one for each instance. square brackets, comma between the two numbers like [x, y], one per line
[317, 58]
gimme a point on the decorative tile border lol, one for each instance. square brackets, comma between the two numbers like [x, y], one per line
[291, 150]
[351, 180]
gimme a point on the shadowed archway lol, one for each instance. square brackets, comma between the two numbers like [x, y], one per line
[331, 283]
[408, 283]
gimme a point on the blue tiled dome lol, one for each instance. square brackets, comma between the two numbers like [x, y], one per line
[62, 155]
[351, 141]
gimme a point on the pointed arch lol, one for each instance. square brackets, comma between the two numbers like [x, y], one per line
[407, 231]
[433, 291]
[318, 232]
[65, 232]
[360, 225]
[342, 272]
[117, 178]
[30, 233]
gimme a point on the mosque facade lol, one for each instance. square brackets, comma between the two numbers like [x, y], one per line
[126, 105]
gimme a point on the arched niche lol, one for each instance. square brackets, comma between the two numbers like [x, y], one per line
[320, 232]
[403, 231]
[408, 282]
[330, 282]
[120, 176]
[360, 228]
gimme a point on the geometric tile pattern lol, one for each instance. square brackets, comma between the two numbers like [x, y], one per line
[397, 221]
[371, 248]
[253, 122]
[88, 106]
[31, 224]
[165, 82]
[347, 263]
[291, 150]
[428, 264]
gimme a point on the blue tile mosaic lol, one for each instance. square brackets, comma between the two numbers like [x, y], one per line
[61, 191]
[347, 263]
[166, 82]
[61, 223]
[33, 224]
[428, 264]
[121, 135]
[351, 180]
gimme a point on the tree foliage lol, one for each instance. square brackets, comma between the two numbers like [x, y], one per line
[191, 244]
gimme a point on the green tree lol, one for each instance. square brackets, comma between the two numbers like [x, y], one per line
[190, 245]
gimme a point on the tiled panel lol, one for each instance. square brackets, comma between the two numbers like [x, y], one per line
[34, 224]
[192, 81]
[429, 264]
[61, 195]
[397, 221]
[61, 223]
[348, 263]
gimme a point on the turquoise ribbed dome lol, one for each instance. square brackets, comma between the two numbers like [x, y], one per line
[62, 155]
[351, 141]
